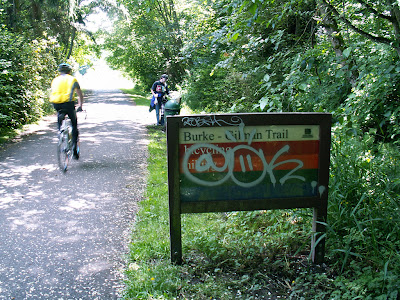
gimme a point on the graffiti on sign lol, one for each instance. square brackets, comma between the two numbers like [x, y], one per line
[247, 161]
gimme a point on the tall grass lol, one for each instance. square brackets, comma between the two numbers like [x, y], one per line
[364, 214]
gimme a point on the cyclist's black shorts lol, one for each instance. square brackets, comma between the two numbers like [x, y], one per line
[67, 108]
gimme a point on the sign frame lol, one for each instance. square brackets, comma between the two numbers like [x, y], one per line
[319, 203]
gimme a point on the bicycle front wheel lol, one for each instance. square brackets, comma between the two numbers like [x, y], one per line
[64, 151]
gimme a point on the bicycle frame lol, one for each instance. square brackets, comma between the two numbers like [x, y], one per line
[64, 145]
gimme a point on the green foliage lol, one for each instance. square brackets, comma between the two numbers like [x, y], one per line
[244, 56]
[148, 41]
[25, 73]
[247, 51]
[364, 212]
[35, 36]
[138, 59]
[63, 20]
[356, 286]
[379, 21]
[319, 81]
[374, 100]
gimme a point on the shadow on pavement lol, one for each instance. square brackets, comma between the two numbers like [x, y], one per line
[65, 235]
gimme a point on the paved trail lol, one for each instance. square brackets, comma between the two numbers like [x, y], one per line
[63, 236]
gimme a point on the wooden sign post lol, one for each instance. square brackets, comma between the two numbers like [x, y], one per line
[237, 162]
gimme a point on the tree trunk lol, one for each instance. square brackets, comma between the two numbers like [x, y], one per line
[395, 13]
[71, 46]
[394, 19]
[337, 41]
[12, 14]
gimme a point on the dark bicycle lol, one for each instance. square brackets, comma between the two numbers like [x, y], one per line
[65, 144]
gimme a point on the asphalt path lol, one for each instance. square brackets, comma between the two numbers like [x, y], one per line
[65, 236]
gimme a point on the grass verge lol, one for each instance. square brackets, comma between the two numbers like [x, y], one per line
[138, 97]
[7, 134]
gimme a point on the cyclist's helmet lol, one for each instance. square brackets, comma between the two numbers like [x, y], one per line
[64, 68]
[164, 76]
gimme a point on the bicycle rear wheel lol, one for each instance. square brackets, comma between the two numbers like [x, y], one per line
[64, 151]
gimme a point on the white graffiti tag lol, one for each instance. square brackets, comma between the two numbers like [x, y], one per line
[209, 121]
[215, 159]
[206, 163]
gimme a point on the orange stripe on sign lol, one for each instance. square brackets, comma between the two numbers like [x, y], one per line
[284, 162]
[246, 163]
[268, 148]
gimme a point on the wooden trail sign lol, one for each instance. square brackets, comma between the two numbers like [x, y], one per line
[237, 162]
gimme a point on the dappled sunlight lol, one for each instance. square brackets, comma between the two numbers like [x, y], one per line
[101, 137]
[93, 267]
[104, 112]
[104, 108]
[73, 205]
[34, 194]
[39, 128]
[72, 225]
[30, 220]
[18, 175]
[5, 201]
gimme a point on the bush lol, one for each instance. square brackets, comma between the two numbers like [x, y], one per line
[220, 90]
[26, 69]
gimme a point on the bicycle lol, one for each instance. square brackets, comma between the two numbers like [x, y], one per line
[65, 144]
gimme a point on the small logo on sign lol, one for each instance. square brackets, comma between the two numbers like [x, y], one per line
[307, 133]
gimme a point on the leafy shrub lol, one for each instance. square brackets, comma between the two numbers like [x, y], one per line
[374, 101]
[219, 90]
[26, 69]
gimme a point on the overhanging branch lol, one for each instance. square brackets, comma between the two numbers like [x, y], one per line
[375, 12]
[369, 36]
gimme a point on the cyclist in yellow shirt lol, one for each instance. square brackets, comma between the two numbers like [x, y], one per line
[63, 89]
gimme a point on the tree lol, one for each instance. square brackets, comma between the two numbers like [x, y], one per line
[61, 19]
[35, 36]
[154, 32]
[378, 21]
[253, 41]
